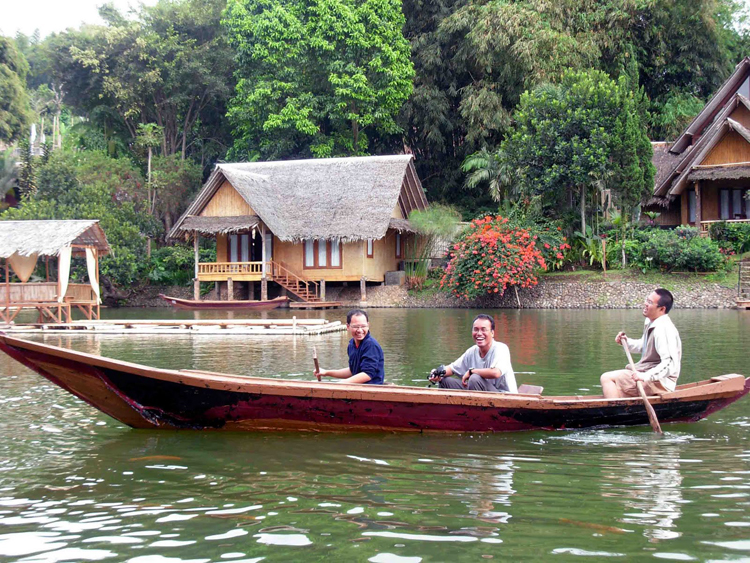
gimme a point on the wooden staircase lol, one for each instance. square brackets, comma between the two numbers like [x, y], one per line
[305, 290]
[743, 285]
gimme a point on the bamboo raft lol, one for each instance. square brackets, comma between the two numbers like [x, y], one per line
[259, 327]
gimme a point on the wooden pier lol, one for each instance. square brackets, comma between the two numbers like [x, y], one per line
[257, 327]
[314, 304]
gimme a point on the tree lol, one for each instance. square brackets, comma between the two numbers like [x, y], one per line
[581, 134]
[315, 77]
[171, 66]
[14, 99]
[149, 136]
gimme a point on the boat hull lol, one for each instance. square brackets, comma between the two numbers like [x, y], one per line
[144, 397]
[190, 305]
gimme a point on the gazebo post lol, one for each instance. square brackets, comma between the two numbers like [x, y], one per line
[96, 259]
[263, 276]
[196, 252]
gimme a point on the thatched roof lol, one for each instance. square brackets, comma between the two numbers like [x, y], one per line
[225, 225]
[333, 198]
[720, 172]
[719, 100]
[47, 238]
[672, 182]
[664, 161]
[401, 226]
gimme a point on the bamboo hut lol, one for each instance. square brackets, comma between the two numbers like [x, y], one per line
[704, 176]
[302, 223]
[22, 243]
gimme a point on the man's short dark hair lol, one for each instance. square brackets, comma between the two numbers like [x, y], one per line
[665, 298]
[485, 318]
[354, 312]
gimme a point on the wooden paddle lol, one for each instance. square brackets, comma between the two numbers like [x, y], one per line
[317, 365]
[649, 409]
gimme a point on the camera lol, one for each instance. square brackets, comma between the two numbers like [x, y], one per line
[438, 372]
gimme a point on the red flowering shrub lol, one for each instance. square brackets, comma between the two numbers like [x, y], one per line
[490, 257]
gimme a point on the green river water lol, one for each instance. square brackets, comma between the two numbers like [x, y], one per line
[75, 485]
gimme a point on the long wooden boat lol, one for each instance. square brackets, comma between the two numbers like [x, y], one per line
[192, 305]
[145, 397]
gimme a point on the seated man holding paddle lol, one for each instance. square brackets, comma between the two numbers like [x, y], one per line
[484, 367]
[661, 353]
[366, 363]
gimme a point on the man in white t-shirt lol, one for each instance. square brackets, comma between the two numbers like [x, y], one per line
[484, 367]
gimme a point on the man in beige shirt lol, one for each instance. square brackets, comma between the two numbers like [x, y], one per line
[661, 353]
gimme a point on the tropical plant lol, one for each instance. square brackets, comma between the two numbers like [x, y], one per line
[435, 224]
[490, 257]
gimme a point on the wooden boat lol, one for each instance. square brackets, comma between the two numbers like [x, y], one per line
[145, 397]
[192, 305]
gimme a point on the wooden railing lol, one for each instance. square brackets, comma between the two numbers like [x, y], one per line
[278, 270]
[706, 225]
[230, 268]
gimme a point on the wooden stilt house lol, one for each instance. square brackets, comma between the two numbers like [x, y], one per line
[23, 243]
[704, 176]
[302, 223]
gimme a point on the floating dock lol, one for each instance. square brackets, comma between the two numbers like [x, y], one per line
[314, 304]
[257, 327]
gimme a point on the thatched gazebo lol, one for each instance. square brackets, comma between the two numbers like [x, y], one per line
[302, 223]
[22, 243]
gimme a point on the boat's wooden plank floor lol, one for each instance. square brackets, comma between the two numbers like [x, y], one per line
[257, 327]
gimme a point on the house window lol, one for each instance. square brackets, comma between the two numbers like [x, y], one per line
[370, 249]
[239, 248]
[322, 254]
[691, 206]
[732, 204]
[399, 250]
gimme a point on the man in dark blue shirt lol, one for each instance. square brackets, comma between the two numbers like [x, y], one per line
[366, 363]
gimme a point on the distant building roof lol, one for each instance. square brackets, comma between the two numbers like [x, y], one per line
[47, 238]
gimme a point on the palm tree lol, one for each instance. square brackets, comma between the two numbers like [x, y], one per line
[490, 169]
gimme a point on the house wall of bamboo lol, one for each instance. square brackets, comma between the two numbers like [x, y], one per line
[227, 202]
[731, 149]
[354, 261]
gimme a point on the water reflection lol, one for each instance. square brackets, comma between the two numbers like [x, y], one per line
[653, 491]
[76, 485]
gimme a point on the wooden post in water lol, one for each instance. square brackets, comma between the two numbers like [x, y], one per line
[230, 289]
[322, 290]
[363, 288]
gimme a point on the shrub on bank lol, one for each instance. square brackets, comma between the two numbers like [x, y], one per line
[680, 250]
[731, 236]
[491, 256]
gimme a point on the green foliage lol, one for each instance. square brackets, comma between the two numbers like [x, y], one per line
[490, 257]
[94, 186]
[15, 112]
[316, 77]
[170, 66]
[679, 250]
[734, 237]
[27, 171]
[578, 136]
[432, 224]
[174, 265]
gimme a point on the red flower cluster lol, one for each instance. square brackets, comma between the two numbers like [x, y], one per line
[491, 257]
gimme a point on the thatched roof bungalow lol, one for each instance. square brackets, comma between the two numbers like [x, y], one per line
[22, 243]
[334, 219]
[704, 175]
